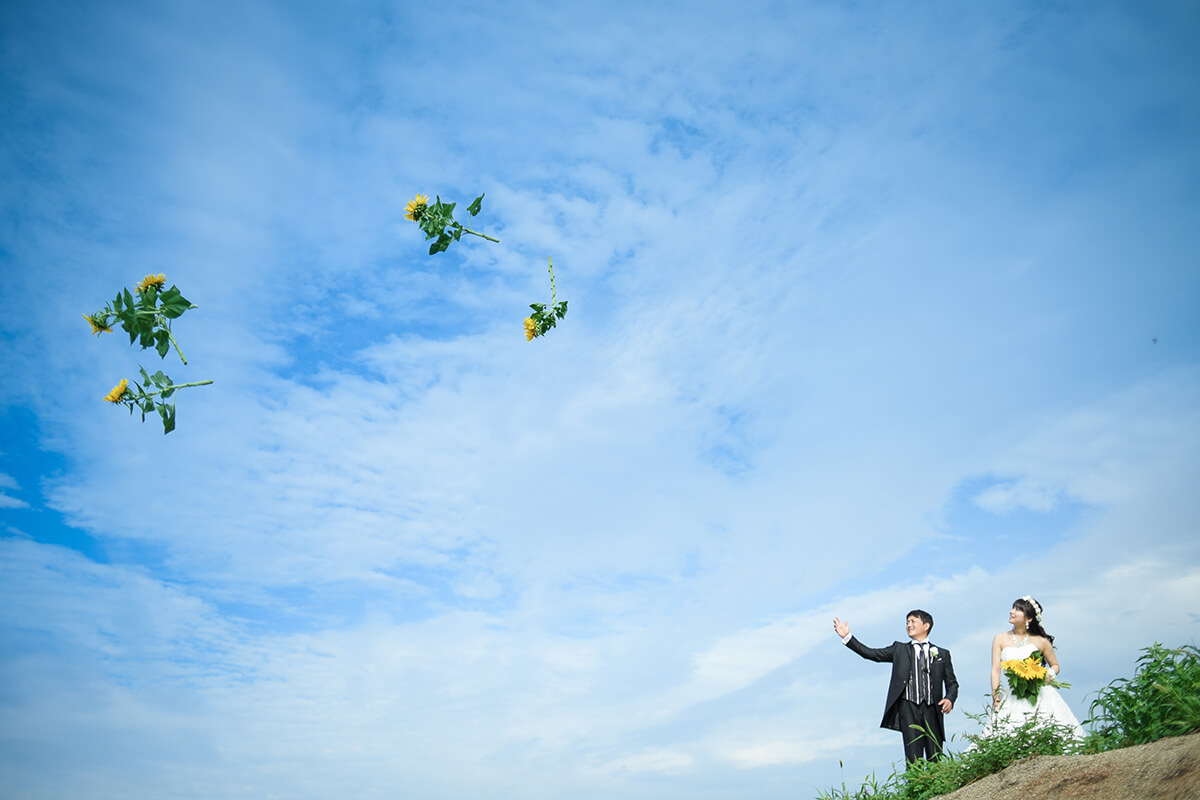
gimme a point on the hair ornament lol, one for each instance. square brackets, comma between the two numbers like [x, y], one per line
[1037, 609]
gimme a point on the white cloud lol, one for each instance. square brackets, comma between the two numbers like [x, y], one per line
[7, 501]
[656, 760]
[11, 502]
[1002, 498]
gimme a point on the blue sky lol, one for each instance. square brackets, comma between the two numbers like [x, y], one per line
[872, 307]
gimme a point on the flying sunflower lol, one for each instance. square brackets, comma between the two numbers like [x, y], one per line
[117, 392]
[99, 323]
[152, 281]
[416, 208]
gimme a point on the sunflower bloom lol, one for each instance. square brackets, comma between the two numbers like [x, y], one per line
[155, 281]
[530, 329]
[416, 208]
[118, 392]
[99, 323]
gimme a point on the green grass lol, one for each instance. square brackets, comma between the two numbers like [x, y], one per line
[925, 779]
[1161, 699]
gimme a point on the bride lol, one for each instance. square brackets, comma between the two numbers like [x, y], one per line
[1027, 635]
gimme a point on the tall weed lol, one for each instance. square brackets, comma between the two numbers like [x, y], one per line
[1161, 699]
[983, 756]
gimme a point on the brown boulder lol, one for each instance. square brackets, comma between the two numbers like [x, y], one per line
[1168, 769]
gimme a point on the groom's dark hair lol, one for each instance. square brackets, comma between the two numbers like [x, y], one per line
[924, 616]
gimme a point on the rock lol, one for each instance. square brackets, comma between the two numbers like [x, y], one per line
[1168, 769]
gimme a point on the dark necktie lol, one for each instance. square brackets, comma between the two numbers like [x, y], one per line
[922, 673]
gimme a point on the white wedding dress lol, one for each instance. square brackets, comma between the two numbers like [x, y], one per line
[1014, 711]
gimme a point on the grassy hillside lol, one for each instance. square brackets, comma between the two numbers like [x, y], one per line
[1162, 699]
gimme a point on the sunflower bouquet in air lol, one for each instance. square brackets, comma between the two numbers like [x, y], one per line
[146, 315]
[1027, 676]
[437, 221]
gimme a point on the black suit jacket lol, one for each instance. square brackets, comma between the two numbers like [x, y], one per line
[941, 671]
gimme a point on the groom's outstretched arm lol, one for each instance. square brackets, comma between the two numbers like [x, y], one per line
[842, 629]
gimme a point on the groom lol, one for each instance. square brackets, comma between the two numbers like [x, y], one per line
[915, 696]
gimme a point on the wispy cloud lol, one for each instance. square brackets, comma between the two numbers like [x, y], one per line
[6, 501]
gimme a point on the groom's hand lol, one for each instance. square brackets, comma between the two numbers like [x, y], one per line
[945, 705]
[840, 628]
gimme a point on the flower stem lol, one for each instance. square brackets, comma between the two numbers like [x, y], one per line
[481, 235]
[553, 292]
[176, 386]
[177, 350]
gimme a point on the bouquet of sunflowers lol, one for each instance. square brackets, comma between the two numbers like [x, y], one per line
[1026, 676]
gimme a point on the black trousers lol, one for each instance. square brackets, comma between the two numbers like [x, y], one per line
[921, 743]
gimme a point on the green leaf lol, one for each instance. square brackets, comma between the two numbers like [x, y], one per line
[475, 206]
[174, 303]
[167, 411]
[441, 244]
[163, 345]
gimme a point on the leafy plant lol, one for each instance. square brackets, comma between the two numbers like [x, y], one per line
[147, 319]
[146, 315]
[992, 753]
[871, 789]
[437, 221]
[984, 756]
[150, 401]
[542, 320]
[1161, 699]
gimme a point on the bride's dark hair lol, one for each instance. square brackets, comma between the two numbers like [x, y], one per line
[1031, 617]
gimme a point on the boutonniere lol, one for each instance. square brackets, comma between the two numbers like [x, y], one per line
[933, 652]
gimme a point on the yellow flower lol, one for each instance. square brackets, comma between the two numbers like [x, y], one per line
[99, 323]
[530, 329]
[156, 281]
[118, 392]
[416, 208]
[1027, 668]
